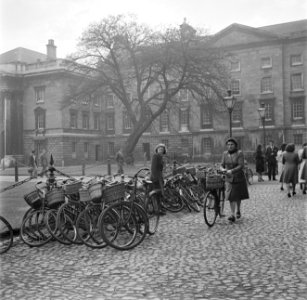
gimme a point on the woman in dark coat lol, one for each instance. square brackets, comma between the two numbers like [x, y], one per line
[291, 161]
[157, 165]
[259, 159]
[235, 185]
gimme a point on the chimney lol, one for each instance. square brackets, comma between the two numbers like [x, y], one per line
[51, 50]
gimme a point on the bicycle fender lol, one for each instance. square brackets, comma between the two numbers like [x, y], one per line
[153, 192]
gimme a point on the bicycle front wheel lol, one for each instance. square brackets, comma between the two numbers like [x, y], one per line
[152, 208]
[6, 235]
[210, 209]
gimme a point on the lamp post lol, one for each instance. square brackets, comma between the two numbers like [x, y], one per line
[229, 102]
[261, 111]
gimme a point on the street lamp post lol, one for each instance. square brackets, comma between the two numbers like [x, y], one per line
[229, 102]
[261, 111]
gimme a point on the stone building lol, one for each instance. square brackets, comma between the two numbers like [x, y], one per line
[268, 68]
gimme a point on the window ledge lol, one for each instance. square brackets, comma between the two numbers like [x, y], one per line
[206, 129]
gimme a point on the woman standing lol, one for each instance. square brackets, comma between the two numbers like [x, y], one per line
[302, 174]
[235, 185]
[259, 158]
[280, 165]
[290, 174]
[157, 165]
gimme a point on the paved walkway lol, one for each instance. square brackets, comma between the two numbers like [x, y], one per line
[262, 256]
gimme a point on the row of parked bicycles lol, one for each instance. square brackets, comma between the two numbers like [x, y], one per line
[117, 211]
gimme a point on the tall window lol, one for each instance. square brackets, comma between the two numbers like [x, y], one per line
[237, 115]
[184, 119]
[164, 121]
[40, 118]
[97, 101]
[165, 142]
[235, 66]
[297, 82]
[85, 121]
[97, 122]
[206, 117]
[266, 62]
[73, 147]
[86, 100]
[86, 150]
[268, 116]
[296, 60]
[73, 119]
[298, 139]
[39, 94]
[206, 145]
[266, 85]
[126, 121]
[298, 109]
[111, 149]
[109, 100]
[235, 86]
[110, 122]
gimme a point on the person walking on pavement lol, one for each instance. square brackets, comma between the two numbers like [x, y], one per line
[33, 165]
[302, 174]
[280, 165]
[259, 159]
[157, 166]
[271, 154]
[235, 182]
[290, 174]
[43, 162]
[119, 157]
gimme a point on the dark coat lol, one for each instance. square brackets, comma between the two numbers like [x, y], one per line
[156, 175]
[236, 185]
[290, 172]
[259, 159]
[271, 154]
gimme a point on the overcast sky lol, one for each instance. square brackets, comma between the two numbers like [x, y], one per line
[31, 23]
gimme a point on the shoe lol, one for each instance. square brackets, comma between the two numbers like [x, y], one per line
[238, 215]
[289, 195]
[231, 218]
[274, 179]
[294, 193]
[281, 188]
[304, 192]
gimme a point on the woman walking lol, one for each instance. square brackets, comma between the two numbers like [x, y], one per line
[235, 182]
[302, 174]
[259, 159]
[280, 165]
[290, 174]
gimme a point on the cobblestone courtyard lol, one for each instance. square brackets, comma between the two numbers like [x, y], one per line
[262, 256]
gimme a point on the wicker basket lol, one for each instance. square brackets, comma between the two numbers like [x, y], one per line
[113, 193]
[214, 181]
[180, 170]
[201, 174]
[55, 197]
[72, 188]
[191, 170]
[95, 191]
[33, 199]
[84, 195]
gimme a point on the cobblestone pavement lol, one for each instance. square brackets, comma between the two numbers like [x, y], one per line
[261, 256]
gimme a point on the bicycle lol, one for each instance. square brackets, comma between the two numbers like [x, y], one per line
[6, 235]
[215, 197]
[249, 175]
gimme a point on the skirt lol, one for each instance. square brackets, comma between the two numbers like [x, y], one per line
[236, 191]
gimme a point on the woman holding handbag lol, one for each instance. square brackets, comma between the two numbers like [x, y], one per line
[235, 182]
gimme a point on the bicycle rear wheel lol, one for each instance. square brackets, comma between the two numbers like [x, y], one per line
[250, 176]
[172, 200]
[6, 235]
[189, 200]
[210, 208]
[152, 208]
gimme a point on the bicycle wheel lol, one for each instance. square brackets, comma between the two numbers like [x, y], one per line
[189, 200]
[172, 200]
[6, 235]
[51, 223]
[249, 176]
[33, 231]
[88, 229]
[152, 209]
[210, 209]
[118, 226]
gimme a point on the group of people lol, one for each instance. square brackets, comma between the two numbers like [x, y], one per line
[287, 162]
[33, 163]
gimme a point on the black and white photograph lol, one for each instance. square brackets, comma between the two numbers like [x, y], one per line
[153, 150]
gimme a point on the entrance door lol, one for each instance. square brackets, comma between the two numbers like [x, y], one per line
[146, 149]
[98, 155]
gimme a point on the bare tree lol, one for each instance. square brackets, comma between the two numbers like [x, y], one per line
[127, 58]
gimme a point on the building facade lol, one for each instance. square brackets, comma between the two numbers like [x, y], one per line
[267, 67]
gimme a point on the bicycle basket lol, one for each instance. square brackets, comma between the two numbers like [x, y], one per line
[33, 199]
[191, 170]
[201, 174]
[113, 193]
[95, 191]
[214, 181]
[55, 197]
[84, 195]
[73, 187]
[180, 170]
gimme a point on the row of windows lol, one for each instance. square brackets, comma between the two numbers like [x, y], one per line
[266, 62]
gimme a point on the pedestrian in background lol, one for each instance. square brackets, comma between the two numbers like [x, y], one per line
[259, 160]
[235, 182]
[119, 157]
[43, 162]
[157, 165]
[302, 174]
[280, 165]
[270, 155]
[290, 174]
[33, 165]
